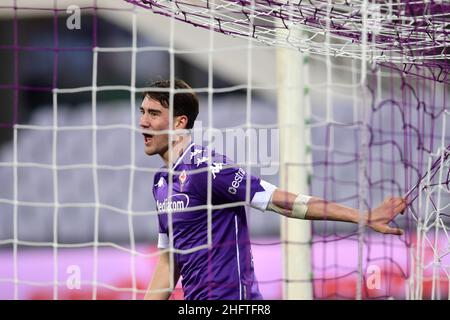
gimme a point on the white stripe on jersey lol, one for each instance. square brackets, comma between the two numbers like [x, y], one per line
[237, 256]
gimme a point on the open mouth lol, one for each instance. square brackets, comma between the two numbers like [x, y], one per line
[147, 138]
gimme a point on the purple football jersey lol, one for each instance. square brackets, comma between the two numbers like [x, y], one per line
[224, 271]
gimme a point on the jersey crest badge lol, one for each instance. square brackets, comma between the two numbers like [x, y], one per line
[182, 178]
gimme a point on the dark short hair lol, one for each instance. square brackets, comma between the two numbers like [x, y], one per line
[184, 103]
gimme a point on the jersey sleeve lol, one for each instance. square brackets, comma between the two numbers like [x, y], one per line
[228, 181]
[230, 185]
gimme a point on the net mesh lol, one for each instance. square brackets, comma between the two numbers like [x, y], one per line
[399, 145]
[403, 33]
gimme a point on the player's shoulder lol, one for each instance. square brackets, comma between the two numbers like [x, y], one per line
[199, 156]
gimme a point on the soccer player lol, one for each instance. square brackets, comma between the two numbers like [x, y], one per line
[225, 270]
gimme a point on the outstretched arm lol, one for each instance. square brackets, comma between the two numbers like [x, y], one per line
[295, 206]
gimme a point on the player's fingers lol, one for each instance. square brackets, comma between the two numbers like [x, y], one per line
[393, 210]
[403, 201]
[400, 207]
[397, 203]
[395, 231]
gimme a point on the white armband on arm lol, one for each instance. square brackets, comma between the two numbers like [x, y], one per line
[163, 241]
[299, 208]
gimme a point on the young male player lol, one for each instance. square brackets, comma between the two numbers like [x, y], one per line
[225, 270]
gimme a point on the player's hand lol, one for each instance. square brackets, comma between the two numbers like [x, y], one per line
[380, 217]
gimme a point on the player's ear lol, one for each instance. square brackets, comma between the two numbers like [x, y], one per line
[181, 122]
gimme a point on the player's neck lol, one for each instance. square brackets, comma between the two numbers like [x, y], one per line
[178, 147]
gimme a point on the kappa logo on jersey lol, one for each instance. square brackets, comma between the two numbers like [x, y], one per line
[238, 177]
[176, 202]
[215, 168]
[196, 152]
[160, 182]
[201, 160]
